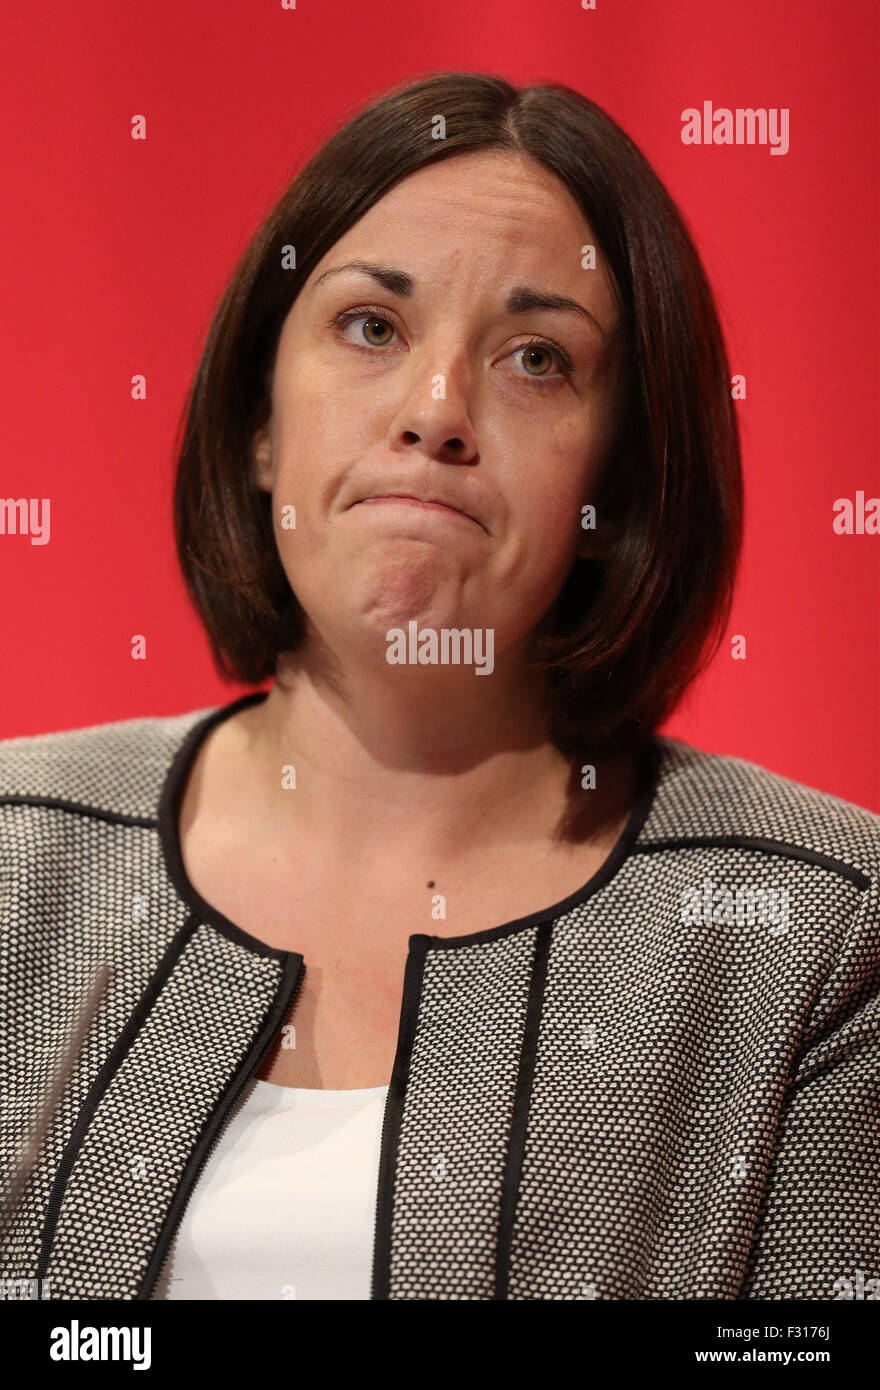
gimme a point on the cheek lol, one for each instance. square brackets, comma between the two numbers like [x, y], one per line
[546, 508]
[308, 436]
[320, 436]
[303, 414]
[541, 551]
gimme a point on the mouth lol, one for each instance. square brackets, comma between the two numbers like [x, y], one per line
[427, 504]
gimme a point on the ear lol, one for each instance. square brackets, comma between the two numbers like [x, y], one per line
[261, 458]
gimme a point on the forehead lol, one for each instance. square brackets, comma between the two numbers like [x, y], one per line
[487, 212]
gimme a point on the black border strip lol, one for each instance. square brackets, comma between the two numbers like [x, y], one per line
[522, 1104]
[101, 1082]
[809, 856]
[169, 830]
[649, 765]
[409, 1012]
[291, 978]
[57, 803]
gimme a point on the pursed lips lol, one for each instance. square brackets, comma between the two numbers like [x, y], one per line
[431, 504]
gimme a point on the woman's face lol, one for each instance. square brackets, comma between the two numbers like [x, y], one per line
[421, 381]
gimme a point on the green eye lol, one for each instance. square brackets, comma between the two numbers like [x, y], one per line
[538, 357]
[370, 324]
[530, 353]
[373, 325]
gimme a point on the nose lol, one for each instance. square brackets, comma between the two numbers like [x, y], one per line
[453, 449]
[434, 420]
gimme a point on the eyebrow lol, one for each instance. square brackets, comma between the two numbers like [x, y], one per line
[521, 299]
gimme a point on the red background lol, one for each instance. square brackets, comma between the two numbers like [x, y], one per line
[115, 253]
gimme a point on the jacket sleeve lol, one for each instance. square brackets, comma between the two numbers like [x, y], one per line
[818, 1234]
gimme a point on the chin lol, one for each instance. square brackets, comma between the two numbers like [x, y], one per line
[392, 612]
[391, 590]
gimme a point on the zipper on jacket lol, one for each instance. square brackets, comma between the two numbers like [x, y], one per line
[165, 1243]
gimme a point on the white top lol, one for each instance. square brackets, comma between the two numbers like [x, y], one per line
[285, 1205]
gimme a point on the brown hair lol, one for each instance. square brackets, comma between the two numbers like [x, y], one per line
[628, 633]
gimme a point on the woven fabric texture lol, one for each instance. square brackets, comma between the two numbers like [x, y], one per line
[670, 1089]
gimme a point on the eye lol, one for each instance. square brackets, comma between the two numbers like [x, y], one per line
[376, 329]
[538, 349]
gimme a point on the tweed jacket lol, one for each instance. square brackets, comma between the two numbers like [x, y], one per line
[665, 1086]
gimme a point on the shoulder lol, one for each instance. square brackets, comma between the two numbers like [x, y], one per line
[117, 767]
[718, 796]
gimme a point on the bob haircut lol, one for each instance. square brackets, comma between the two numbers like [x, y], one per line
[628, 632]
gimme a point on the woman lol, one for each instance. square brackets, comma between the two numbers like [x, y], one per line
[588, 1013]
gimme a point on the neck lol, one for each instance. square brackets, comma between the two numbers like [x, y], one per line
[420, 759]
